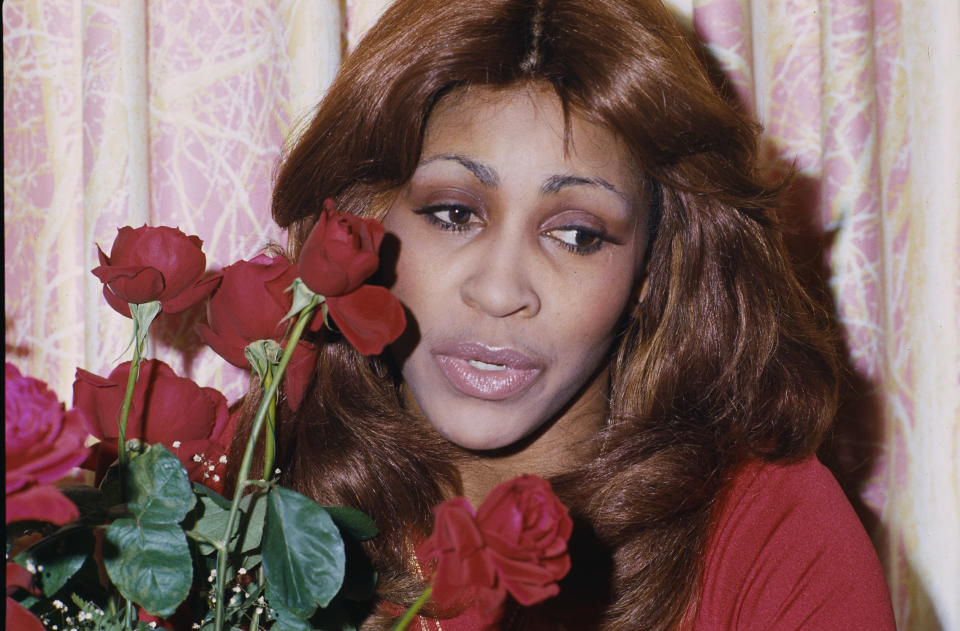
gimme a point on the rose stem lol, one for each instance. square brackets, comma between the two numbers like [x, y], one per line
[412, 611]
[247, 461]
[269, 438]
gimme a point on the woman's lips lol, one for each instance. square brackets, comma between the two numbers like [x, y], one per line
[486, 373]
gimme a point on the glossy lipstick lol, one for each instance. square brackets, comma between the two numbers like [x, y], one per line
[485, 372]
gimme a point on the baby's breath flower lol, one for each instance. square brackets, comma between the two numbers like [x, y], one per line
[176, 444]
[241, 571]
[223, 460]
[197, 458]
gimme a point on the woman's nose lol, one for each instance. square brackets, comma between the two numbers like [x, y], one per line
[501, 283]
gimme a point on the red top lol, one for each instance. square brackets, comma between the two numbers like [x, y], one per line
[788, 553]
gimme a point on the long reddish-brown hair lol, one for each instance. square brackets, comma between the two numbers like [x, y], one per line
[725, 358]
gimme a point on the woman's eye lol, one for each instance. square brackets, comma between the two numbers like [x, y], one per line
[578, 239]
[449, 217]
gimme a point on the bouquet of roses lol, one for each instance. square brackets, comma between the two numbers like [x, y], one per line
[155, 542]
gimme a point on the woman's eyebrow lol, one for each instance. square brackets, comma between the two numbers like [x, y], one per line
[486, 175]
[556, 182]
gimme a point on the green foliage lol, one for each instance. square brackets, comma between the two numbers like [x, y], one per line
[146, 555]
[355, 523]
[158, 489]
[303, 554]
[58, 557]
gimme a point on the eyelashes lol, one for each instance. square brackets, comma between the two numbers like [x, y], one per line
[451, 217]
[581, 240]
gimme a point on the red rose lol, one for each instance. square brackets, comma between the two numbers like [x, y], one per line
[250, 302]
[43, 443]
[154, 263]
[516, 543]
[189, 420]
[463, 565]
[527, 529]
[19, 617]
[339, 254]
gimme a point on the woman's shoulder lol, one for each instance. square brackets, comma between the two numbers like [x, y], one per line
[787, 551]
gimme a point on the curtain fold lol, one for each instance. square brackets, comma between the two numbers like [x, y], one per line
[124, 112]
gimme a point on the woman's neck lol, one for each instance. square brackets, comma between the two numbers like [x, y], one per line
[566, 443]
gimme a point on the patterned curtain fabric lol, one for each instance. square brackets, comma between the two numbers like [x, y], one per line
[125, 112]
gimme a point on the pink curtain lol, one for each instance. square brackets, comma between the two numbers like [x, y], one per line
[131, 111]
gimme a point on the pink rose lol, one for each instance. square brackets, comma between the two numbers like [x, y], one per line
[515, 543]
[191, 421]
[154, 263]
[248, 306]
[43, 443]
[339, 255]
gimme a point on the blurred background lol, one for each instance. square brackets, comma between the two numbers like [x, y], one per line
[125, 112]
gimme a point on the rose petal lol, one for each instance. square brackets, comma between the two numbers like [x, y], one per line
[19, 576]
[369, 317]
[190, 296]
[222, 347]
[300, 373]
[19, 617]
[42, 502]
[136, 284]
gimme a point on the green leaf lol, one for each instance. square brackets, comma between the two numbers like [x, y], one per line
[60, 557]
[303, 553]
[158, 488]
[288, 621]
[355, 523]
[204, 491]
[149, 563]
[211, 520]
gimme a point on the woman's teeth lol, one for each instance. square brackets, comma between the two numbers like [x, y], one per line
[485, 366]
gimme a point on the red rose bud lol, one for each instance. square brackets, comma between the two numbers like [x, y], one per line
[340, 253]
[42, 444]
[191, 421]
[154, 263]
[516, 543]
[249, 304]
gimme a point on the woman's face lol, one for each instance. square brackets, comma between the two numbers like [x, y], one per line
[517, 261]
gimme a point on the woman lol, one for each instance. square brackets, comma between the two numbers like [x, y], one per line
[598, 294]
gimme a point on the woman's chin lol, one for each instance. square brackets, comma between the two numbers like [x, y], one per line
[479, 436]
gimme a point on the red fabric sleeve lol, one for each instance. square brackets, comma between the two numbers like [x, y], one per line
[788, 552]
